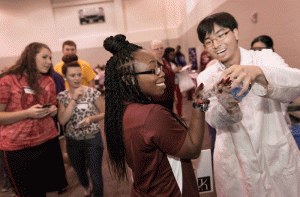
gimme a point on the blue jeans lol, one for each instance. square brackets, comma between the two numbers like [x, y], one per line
[84, 155]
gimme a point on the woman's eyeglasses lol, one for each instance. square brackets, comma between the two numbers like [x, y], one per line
[156, 71]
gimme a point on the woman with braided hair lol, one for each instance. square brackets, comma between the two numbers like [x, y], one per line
[148, 137]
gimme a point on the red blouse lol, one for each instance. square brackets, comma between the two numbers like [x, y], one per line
[28, 132]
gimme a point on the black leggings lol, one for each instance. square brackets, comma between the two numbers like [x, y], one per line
[36, 170]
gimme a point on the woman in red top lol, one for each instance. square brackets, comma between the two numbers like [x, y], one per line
[28, 136]
[148, 137]
[169, 56]
[167, 99]
[205, 58]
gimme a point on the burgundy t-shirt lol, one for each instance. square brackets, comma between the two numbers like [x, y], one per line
[150, 134]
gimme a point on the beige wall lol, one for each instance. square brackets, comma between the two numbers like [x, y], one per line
[21, 23]
[26, 21]
[173, 21]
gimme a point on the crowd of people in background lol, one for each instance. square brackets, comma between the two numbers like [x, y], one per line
[169, 56]
[251, 155]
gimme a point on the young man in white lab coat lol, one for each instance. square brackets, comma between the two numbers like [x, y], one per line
[255, 152]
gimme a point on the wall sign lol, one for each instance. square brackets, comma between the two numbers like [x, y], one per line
[204, 173]
[91, 15]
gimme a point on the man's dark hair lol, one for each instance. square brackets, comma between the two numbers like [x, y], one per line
[222, 19]
[69, 43]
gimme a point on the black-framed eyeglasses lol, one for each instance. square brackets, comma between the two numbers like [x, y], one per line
[156, 71]
[209, 42]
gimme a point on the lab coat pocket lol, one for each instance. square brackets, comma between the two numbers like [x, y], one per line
[281, 157]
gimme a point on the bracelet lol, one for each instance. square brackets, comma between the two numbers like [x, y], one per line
[200, 105]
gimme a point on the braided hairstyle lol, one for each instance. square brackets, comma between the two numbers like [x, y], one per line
[121, 85]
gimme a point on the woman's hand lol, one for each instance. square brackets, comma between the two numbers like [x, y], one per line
[199, 95]
[178, 69]
[227, 100]
[223, 86]
[37, 112]
[52, 111]
[78, 93]
[84, 123]
[245, 75]
[200, 101]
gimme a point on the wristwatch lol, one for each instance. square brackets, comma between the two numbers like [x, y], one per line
[200, 106]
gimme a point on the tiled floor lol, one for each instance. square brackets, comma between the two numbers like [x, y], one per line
[112, 187]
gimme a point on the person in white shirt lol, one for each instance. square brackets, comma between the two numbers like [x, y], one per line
[255, 152]
[266, 42]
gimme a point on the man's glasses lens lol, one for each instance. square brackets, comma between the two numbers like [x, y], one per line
[219, 38]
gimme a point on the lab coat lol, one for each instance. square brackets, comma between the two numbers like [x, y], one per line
[257, 155]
